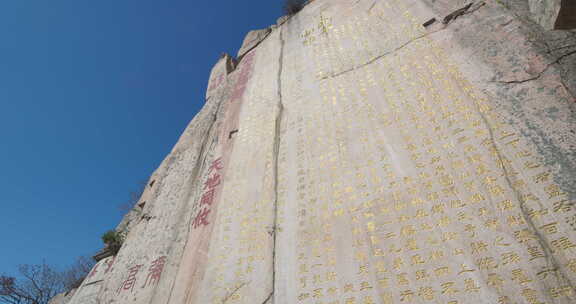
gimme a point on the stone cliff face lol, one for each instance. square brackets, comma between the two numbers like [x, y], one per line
[361, 152]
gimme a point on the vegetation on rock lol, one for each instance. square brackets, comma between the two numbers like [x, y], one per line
[113, 240]
[291, 7]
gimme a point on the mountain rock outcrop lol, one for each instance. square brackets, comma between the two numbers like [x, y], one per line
[368, 151]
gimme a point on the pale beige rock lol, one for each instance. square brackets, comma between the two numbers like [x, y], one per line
[217, 80]
[91, 288]
[252, 39]
[356, 156]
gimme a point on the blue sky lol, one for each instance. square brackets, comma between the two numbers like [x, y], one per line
[93, 95]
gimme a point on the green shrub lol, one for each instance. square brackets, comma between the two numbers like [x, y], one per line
[113, 240]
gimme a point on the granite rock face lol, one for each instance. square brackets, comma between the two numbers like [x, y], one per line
[554, 14]
[353, 155]
[253, 38]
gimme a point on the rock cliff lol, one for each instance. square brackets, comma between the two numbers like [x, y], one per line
[368, 151]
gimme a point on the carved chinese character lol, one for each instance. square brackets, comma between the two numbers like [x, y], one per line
[563, 206]
[411, 245]
[524, 235]
[531, 296]
[406, 295]
[417, 259]
[487, 263]
[535, 252]
[368, 300]
[510, 258]
[109, 263]
[441, 271]
[348, 288]
[201, 218]
[550, 228]
[130, 280]
[208, 197]
[557, 292]
[562, 244]
[402, 279]
[470, 229]
[544, 273]
[514, 220]
[317, 293]
[421, 274]
[212, 182]
[383, 283]
[553, 191]
[479, 247]
[505, 205]
[364, 286]
[571, 265]
[330, 276]
[216, 165]
[426, 293]
[465, 269]
[448, 288]
[471, 286]
[155, 271]
[520, 277]
[495, 280]
[499, 241]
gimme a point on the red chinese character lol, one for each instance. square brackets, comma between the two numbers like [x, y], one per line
[130, 281]
[216, 165]
[109, 264]
[207, 197]
[155, 271]
[212, 182]
[201, 219]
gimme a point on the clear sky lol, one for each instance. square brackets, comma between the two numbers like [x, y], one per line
[93, 95]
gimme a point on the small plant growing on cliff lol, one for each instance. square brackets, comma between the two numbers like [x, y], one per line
[113, 240]
[291, 7]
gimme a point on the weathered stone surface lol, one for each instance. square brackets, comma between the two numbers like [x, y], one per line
[252, 39]
[356, 156]
[217, 80]
[554, 14]
[89, 291]
[62, 298]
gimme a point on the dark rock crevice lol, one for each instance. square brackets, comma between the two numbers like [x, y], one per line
[276, 152]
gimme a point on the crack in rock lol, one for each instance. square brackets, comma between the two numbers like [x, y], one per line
[380, 56]
[268, 298]
[539, 74]
[276, 152]
[229, 296]
[469, 9]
